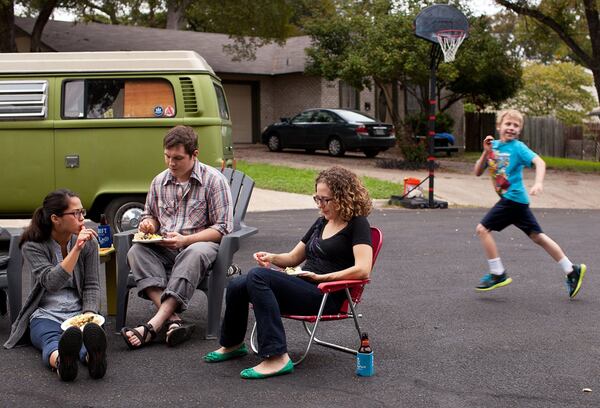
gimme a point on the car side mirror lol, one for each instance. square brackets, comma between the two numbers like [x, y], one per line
[285, 120]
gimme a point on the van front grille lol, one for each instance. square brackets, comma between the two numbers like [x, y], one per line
[189, 95]
[23, 99]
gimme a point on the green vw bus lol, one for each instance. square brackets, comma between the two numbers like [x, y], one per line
[94, 122]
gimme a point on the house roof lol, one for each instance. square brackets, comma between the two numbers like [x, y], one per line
[271, 59]
[104, 61]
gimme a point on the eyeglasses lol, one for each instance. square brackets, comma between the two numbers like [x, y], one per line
[76, 213]
[322, 200]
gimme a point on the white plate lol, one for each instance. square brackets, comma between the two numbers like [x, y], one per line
[148, 241]
[98, 319]
[295, 272]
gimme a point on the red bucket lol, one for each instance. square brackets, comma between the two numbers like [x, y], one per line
[410, 184]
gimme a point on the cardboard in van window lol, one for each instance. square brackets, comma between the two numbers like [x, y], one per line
[141, 97]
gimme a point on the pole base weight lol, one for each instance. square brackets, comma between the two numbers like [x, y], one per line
[416, 202]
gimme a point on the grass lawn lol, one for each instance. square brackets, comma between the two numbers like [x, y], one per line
[556, 163]
[301, 181]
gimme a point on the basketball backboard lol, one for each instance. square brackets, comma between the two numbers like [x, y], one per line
[439, 17]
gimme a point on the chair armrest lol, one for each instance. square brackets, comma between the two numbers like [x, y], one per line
[229, 245]
[234, 237]
[335, 286]
[122, 241]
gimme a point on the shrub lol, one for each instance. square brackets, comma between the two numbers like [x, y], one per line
[414, 153]
[418, 123]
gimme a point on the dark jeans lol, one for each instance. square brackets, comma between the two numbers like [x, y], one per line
[45, 334]
[271, 293]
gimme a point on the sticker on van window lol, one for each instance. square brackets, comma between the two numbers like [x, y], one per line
[169, 111]
[158, 111]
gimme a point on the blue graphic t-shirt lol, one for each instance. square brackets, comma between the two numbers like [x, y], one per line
[506, 163]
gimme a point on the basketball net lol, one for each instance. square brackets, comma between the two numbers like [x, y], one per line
[449, 41]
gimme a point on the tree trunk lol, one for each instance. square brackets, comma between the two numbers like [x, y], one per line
[38, 28]
[389, 100]
[176, 14]
[591, 61]
[7, 26]
[593, 22]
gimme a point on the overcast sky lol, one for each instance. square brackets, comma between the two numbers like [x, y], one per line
[484, 6]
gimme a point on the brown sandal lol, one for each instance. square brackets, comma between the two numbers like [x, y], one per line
[179, 334]
[142, 337]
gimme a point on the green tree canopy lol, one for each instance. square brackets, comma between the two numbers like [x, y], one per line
[372, 42]
[556, 89]
[567, 30]
[251, 23]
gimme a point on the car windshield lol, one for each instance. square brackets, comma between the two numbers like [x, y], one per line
[350, 116]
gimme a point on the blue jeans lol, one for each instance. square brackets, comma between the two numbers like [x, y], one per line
[45, 334]
[271, 293]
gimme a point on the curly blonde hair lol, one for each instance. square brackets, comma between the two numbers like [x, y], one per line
[349, 194]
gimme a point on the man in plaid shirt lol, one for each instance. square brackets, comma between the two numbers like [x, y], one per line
[190, 206]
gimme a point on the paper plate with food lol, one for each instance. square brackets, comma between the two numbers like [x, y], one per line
[294, 271]
[82, 319]
[145, 238]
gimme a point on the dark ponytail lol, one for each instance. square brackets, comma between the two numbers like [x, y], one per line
[40, 228]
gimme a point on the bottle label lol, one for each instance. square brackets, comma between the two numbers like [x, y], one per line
[364, 364]
[104, 237]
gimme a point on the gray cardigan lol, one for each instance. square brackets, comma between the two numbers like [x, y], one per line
[40, 261]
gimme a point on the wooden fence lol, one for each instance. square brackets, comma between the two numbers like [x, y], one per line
[545, 135]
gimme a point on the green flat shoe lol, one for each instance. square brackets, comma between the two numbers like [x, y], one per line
[251, 374]
[214, 357]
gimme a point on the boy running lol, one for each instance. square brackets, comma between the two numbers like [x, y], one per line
[505, 159]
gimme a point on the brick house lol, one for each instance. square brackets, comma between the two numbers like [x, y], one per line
[259, 92]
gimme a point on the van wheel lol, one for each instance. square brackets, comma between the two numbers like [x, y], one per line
[123, 213]
[274, 143]
[335, 147]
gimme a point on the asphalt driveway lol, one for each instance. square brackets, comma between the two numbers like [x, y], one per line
[437, 342]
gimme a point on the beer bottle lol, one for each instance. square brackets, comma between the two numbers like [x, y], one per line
[104, 236]
[364, 357]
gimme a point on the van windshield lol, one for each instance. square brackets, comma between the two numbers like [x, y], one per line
[118, 98]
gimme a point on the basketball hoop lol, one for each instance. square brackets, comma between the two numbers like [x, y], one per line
[445, 27]
[449, 41]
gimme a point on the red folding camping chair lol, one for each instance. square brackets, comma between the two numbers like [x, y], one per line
[353, 288]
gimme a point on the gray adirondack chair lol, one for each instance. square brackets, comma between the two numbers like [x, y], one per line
[10, 273]
[214, 285]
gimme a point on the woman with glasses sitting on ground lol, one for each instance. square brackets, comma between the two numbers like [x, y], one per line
[61, 255]
[337, 246]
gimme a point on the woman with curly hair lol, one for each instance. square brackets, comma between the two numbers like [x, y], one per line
[337, 246]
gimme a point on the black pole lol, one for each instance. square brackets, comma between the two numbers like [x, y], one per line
[431, 126]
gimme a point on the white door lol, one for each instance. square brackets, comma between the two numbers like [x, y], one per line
[239, 97]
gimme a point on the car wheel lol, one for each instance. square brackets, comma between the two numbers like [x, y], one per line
[335, 147]
[371, 152]
[123, 213]
[274, 143]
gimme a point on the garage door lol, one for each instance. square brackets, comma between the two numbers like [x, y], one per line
[239, 97]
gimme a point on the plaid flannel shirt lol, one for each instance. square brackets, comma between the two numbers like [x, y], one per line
[205, 202]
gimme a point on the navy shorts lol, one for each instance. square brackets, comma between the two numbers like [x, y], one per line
[508, 212]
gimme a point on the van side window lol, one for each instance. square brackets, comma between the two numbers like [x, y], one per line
[223, 109]
[118, 98]
[23, 99]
